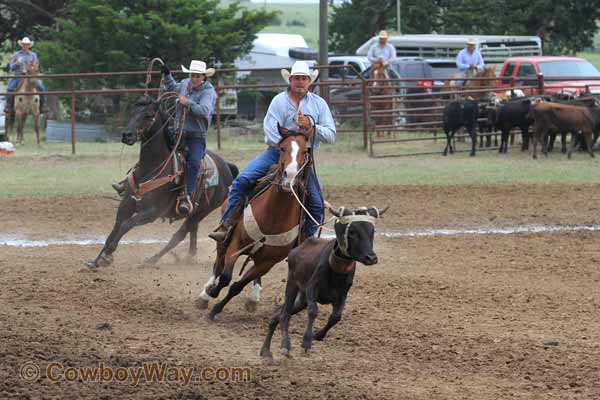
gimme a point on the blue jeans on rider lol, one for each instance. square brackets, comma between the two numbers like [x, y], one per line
[196, 150]
[12, 86]
[256, 169]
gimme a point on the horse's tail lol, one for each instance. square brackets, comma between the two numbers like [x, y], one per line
[234, 169]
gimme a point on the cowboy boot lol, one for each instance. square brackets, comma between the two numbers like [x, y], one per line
[119, 187]
[220, 234]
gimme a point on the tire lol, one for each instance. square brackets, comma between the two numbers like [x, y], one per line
[303, 53]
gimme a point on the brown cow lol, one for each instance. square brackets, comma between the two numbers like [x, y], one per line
[562, 118]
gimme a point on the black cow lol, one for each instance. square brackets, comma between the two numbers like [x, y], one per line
[322, 271]
[507, 116]
[456, 115]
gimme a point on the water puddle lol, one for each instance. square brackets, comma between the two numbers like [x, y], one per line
[14, 241]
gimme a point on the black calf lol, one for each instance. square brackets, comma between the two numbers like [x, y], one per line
[322, 271]
[456, 115]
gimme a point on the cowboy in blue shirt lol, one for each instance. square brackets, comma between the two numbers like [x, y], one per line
[289, 109]
[199, 97]
[18, 63]
[469, 60]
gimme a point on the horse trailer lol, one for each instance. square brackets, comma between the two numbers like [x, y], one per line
[494, 49]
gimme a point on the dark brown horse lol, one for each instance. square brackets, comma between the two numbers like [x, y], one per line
[268, 230]
[382, 104]
[158, 163]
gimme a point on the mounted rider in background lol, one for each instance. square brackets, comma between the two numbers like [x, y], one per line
[295, 109]
[469, 61]
[18, 64]
[381, 53]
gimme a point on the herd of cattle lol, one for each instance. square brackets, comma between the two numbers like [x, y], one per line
[546, 115]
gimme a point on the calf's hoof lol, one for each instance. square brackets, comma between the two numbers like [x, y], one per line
[285, 352]
[319, 336]
[92, 264]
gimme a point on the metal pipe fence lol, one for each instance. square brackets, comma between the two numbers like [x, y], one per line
[405, 105]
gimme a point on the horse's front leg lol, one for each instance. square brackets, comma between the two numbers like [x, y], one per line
[253, 273]
[122, 226]
[36, 123]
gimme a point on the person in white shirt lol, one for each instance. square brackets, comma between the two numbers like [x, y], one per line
[469, 61]
[381, 52]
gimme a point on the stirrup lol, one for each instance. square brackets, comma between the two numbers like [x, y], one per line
[220, 234]
[184, 206]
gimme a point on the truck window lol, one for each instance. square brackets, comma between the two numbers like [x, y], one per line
[527, 70]
[336, 73]
[508, 72]
[350, 74]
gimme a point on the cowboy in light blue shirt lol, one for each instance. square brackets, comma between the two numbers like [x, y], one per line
[290, 109]
[199, 96]
[18, 63]
[381, 52]
[469, 60]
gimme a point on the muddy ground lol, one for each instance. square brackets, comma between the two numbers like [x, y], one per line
[445, 317]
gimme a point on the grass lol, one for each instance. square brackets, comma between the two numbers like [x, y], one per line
[307, 14]
[52, 170]
[594, 58]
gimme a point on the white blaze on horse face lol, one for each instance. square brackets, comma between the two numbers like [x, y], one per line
[292, 168]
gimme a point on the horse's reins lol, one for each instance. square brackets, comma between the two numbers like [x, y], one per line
[292, 182]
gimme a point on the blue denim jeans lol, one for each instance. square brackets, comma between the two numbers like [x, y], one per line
[196, 151]
[256, 169]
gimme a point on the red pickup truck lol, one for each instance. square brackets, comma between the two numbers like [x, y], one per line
[551, 68]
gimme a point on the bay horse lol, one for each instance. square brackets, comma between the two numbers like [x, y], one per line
[380, 85]
[24, 105]
[268, 230]
[159, 166]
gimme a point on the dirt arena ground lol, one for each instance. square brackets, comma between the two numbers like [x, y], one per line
[443, 317]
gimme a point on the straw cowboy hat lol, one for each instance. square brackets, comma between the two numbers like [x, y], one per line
[383, 35]
[198, 67]
[25, 41]
[471, 42]
[300, 68]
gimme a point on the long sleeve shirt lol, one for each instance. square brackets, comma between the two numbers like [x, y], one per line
[201, 105]
[25, 59]
[387, 52]
[464, 59]
[283, 111]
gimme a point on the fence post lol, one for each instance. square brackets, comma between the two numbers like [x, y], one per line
[541, 83]
[365, 113]
[218, 113]
[73, 136]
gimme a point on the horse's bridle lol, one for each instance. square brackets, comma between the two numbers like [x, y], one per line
[291, 133]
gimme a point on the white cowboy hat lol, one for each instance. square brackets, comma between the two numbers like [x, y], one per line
[25, 41]
[198, 67]
[383, 35]
[471, 42]
[300, 68]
